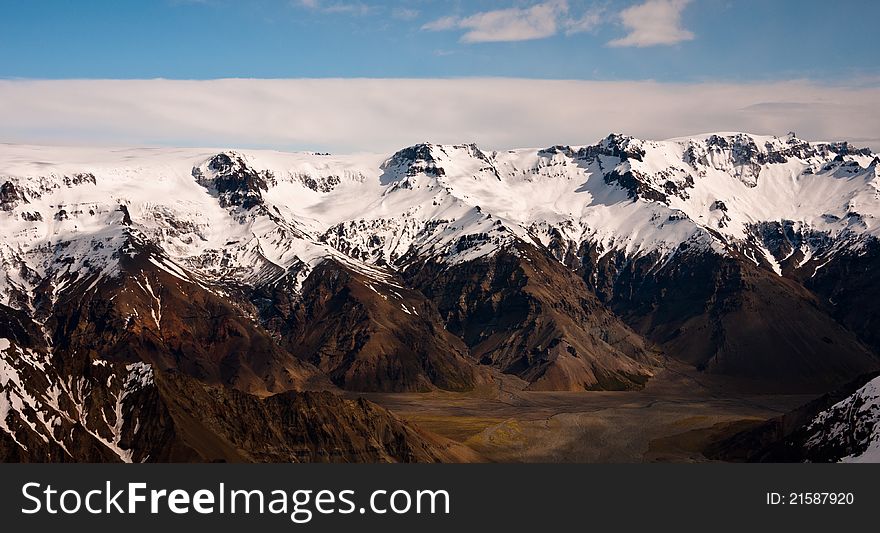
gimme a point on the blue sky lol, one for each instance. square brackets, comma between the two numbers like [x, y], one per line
[373, 75]
[665, 40]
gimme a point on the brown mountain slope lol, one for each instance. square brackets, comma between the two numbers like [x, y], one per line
[39, 416]
[202, 423]
[69, 406]
[525, 313]
[365, 334]
[729, 316]
[172, 322]
[135, 413]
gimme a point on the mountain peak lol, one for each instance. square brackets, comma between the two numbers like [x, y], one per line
[419, 158]
[233, 181]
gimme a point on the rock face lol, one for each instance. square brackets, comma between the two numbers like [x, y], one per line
[149, 314]
[222, 424]
[848, 285]
[528, 315]
[367, 334]
[234, 183]
[726, 315]
[80, 407]
[9, 196]
[135, 414]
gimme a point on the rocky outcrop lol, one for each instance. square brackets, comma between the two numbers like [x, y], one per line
[10, 196]
[235, 183]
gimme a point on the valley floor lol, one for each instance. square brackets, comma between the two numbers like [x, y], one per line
[676, 416]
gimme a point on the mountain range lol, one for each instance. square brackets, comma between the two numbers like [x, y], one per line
[186, 304]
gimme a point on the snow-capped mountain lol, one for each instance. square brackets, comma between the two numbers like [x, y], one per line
[849, 430]
[241, 216]
[572, 267]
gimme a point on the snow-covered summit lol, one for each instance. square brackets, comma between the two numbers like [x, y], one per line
[252, 215]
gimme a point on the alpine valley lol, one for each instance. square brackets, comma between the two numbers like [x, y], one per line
[444, 303]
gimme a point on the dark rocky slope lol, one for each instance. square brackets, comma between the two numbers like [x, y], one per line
[366, 334]
[526, 314]
[728, 316]
[196, 422]
[149, 314]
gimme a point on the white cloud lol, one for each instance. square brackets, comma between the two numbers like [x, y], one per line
[442, 24]
[504, 25]
[346, 115]
[653, 23]
[588, 22]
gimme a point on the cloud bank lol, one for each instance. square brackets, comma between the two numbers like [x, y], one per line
[382, 115]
